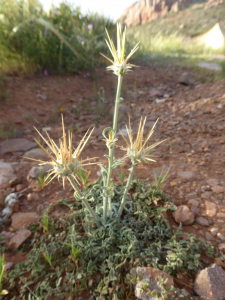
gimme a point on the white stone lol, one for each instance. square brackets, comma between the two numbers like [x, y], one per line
[211, 208]
[214, 231]
[32, 197]
[221, 236]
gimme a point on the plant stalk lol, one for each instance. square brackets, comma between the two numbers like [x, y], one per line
[76, 188]
[105, 198]
[119, 85]
[110, 206]
[111, 150]
[126, 189]
[105, 204]
[115, 120]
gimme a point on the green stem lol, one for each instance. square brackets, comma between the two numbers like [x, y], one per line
[126, 189]
[105, 198]
[119, 85]
[110, 206]
[105, 204]
[76, 188]
[111, 153]
[111, 150]
[115, 120]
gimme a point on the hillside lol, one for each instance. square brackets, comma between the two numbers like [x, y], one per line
[144, 11]
[188, 22]
[170, 36]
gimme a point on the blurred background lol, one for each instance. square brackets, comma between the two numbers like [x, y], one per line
[59, 36]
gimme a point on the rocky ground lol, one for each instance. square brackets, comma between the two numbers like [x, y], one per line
[191, 119]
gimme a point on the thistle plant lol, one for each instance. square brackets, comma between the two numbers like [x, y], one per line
[138, 152]
[66, 162]
[120, 67]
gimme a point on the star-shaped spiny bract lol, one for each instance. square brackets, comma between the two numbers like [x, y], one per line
[66, 161]
[138, 150]
[120, 65]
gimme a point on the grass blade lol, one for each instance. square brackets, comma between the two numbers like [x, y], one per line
[50, 27]
[60, 36]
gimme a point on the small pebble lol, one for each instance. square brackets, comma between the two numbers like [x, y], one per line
[221, 236]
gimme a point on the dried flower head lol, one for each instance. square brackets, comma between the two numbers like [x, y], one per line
[119, 65]
[66, 161]
[138, 150]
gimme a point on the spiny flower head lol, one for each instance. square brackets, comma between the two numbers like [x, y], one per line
[119, 65]
[64, 161]
[111, 139]
[138, 150]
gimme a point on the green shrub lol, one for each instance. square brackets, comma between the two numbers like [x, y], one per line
[63, 39]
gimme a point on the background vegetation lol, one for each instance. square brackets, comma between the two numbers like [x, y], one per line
[64, 40]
